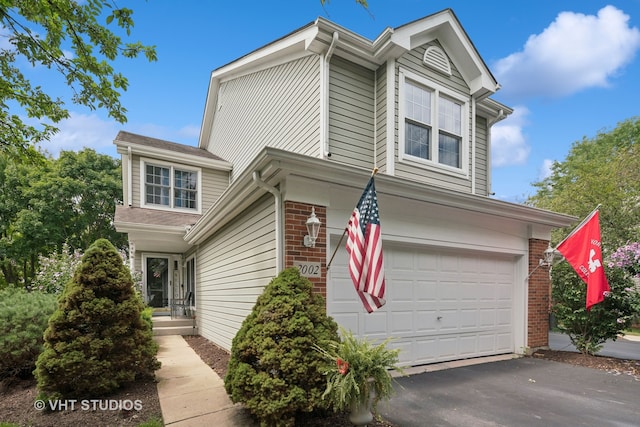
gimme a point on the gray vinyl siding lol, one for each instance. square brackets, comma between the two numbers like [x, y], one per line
[278, 107]
[482, 160]
[135, 180]
[381, 118]
[214, 183]
[232, 269]
[412, 61]
[351, 113]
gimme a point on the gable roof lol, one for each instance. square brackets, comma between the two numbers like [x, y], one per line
[322, 35]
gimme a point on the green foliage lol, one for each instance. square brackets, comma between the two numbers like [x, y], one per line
[588, 330]
[274, 369]
[69, 200]
[601, 170]
[23, 320]
[357, 367]
[40, 34]
[97, 340]
[56, 270]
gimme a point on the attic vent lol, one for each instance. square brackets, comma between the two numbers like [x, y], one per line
[435, 58]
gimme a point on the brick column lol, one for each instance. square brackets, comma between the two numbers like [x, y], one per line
[539, 296]
[295, 218]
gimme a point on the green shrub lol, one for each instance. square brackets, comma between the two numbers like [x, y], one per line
[23, 320]
[97, 340]
[588, 330]
[274, 368]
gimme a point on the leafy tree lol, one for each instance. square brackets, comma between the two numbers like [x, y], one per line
[67, 200]
[97, 340]
[68, 37]
[601, 170]
[274, 367]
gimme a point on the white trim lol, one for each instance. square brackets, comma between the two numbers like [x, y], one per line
[172, 166]
[473, 145]
[438, 92]
[391, 117]
[195, 276]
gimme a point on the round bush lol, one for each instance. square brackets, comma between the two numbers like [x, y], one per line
[23, 320]
[274, 368]
[97, 340]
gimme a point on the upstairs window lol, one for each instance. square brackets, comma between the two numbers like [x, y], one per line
[172, 187]
[433, 129]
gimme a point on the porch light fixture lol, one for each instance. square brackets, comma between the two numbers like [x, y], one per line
[550, 255]
[313, 228]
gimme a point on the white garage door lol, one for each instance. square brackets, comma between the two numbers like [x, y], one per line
[441, 305]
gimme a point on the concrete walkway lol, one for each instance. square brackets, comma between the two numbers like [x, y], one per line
[190, 392]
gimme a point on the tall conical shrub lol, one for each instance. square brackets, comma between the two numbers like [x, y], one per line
[275, 369]
[96, 340]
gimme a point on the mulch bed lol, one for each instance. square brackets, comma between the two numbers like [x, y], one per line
[18, 401]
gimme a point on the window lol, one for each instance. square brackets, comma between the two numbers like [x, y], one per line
[433, 130]
[171, 187]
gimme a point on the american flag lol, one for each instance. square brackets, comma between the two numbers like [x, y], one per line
[364, 246]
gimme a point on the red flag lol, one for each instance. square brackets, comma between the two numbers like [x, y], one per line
[364, 246]
[583, 250]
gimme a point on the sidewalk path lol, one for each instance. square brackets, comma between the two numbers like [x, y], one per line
[190, 392]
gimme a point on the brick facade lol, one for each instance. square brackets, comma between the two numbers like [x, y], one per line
[539, 296]
[295, 218]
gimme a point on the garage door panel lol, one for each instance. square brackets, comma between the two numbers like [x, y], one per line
[441, 305]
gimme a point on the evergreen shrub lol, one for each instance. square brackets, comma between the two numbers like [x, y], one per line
[274, 369]
[23, 320]
[97, 340]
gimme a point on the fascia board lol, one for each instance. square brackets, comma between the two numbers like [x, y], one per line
[173, 156]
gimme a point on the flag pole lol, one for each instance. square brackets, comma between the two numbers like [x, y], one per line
[587, 218]
[335, 251]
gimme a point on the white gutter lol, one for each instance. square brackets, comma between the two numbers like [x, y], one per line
[279, 223]
[325, 96]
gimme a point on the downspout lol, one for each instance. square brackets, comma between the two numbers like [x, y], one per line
[473, 145]
[278, 208]
[129, 177]
[325, 88]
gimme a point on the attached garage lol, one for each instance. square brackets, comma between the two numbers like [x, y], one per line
[442, 304]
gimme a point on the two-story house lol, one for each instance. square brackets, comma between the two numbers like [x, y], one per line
[298, 125]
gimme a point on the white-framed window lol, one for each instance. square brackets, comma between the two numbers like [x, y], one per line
[167, 186]
[433, 124]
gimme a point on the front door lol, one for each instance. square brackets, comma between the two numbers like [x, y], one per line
[157, 280]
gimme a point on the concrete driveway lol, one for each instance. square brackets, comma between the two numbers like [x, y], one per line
[515, 392]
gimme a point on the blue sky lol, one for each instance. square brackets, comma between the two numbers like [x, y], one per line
[569, 68]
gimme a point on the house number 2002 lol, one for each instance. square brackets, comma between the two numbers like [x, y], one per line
[308, 269]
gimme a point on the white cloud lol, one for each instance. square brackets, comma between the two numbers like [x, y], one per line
[508, 144]
[82, 131]
[575, 52]
[545, 169]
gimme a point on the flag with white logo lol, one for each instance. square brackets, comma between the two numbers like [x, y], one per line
[583, 250]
